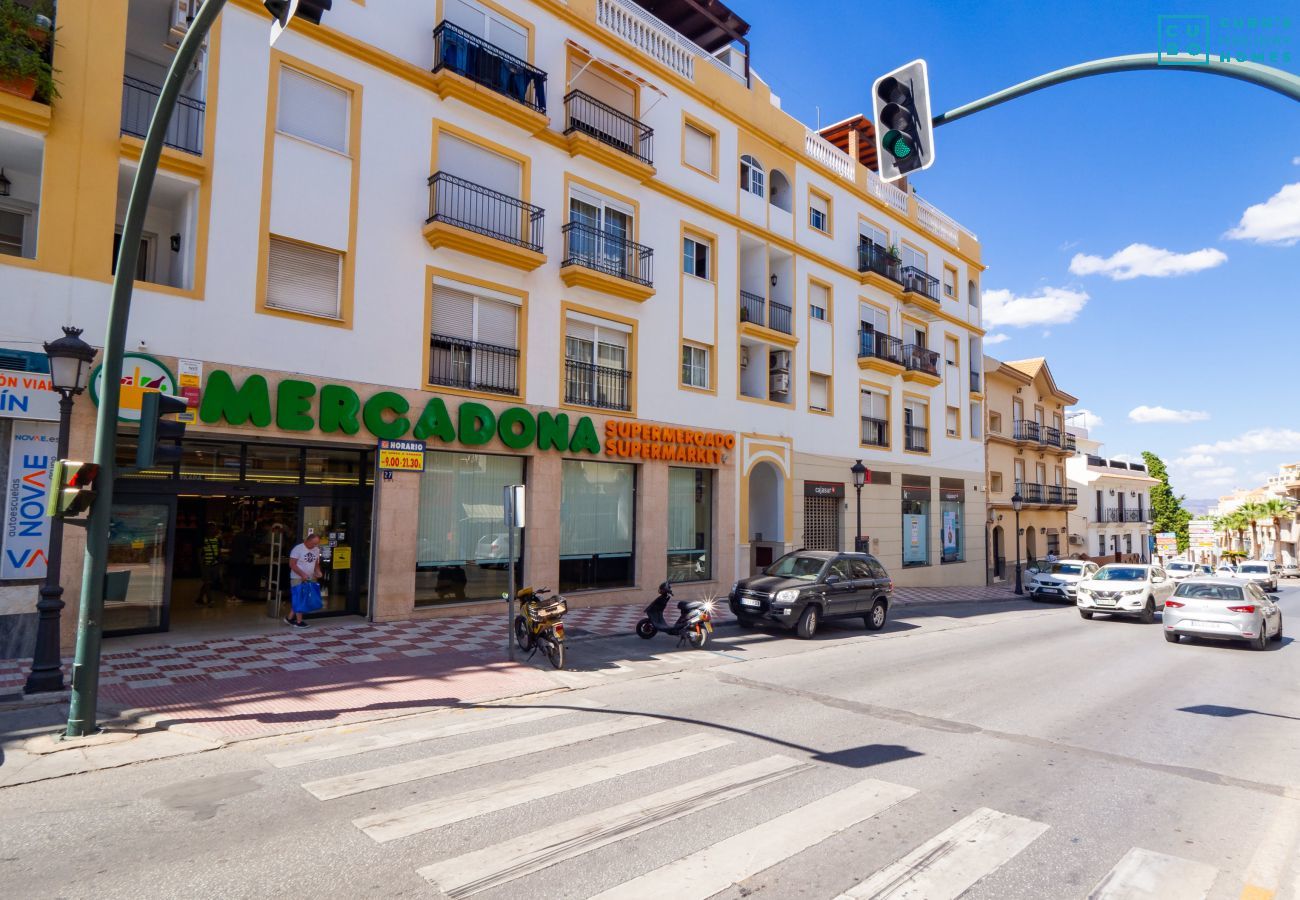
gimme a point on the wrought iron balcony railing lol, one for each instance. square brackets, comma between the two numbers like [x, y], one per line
[1025, 430]
[1049, 435]
[918, 281]
[777, 316]
[874, 258]
[916, 438]
[603, 251]
[485, 211]
[472, 365]
[140, 99]
[1031, 492]
[919, 359]
[875, 432]
[879, 345]
[466, 54]
[586, 114]
[587, 384]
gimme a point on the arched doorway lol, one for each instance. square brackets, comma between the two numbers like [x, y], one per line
[1031, 544]
[999, 553]
[766, 527]
[780, 193]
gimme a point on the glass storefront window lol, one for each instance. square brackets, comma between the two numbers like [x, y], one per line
[210, 460]
[952, 502]
[333, 466]
[597, 530]
[690, 524]
[125, 459]
[462, 550]
[271, 464]
[916, 520]
[137, 544]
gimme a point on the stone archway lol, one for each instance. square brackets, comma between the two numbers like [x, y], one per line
[1031, 544]
[766, 526]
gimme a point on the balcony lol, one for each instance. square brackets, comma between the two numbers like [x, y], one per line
[587, 384]
[921, 365]
[917, 283]
[606, 262]
[472, 219]
[608, 136]
[1047, 494]
[880, 352]
[916, 438]
[473, 366]
[184, 131]
[877, 267]
[1121, 514]
[483, 75]
[776, 316]
[975, 383]
[875, 432]
[1025, 430]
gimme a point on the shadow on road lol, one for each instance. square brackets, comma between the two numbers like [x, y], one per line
[1229, 712]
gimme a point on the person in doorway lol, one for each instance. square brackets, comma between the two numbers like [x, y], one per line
[209, 566]
[304, 569]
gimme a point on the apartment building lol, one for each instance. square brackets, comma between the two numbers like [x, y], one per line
[564, 244]
[1112, 522]
[1027, 449]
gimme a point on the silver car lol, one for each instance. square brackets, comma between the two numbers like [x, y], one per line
[1259, 572]
[1222, 608]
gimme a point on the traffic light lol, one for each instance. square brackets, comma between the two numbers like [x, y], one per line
[72, 488]
[904, 132]
[284, 11]
[155, 430]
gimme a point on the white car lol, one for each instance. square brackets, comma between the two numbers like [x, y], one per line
[1228, 609]
[1057, 580]
[1122, 589]
[1179, 570]
[1288, 570]
[1262, 573]
[1226, 569]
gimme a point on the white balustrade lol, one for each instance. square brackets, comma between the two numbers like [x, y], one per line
[886, 193]
[826, 153]
[643, 31]
[937, 223]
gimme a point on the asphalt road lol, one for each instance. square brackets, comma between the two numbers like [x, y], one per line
[997, 751]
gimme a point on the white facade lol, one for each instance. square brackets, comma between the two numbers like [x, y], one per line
[1113, 519]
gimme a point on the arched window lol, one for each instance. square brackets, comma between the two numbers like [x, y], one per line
[780, 196]
[972, 294]
[751, 176]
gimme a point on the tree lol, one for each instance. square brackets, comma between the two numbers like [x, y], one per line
[1253, 512]
[1167, 510]
[1276, 509]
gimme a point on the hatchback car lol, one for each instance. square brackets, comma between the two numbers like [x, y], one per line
[801, 589]
[1262, 573]
[1125, 590]
[1224, 609]
[1057, 580]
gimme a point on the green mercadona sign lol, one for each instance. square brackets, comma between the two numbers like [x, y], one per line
[337, 409]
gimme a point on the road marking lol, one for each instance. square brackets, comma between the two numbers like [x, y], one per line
[952, 861]
[716, 868]
[468, 804]
[502, 863]
[1265, 872]
[386, 776]
[1142, 874]
[426, 731]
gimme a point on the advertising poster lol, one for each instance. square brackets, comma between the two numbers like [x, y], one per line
[189, 378]
[914, 532]
[26, 530]
[950, 547]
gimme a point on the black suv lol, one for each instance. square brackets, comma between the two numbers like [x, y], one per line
[804, 587]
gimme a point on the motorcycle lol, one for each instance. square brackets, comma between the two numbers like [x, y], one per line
[540, 623]
[694, 619]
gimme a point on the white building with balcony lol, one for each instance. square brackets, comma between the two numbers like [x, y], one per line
[1112, 522]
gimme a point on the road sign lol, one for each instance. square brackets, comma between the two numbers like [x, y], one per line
[1166, 543]
[1200, 534]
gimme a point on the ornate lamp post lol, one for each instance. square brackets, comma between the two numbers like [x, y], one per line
[1016, 503]
[859, 479]
[70, 359]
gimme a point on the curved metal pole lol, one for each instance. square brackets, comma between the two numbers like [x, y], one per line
[1284, 83]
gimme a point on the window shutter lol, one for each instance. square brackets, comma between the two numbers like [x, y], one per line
[303, 279]
[479, 166]
[699, 149]
[497, 323]
[453, 313]
[467, 16]
[818, 203]
[819, 296]
[817, 392]
[313, 110]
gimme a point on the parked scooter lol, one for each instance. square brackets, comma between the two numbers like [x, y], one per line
[694, 619]
[539, 623]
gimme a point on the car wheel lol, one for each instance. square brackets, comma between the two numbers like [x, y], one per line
[876, 618]
[807, 626]
[1172, 637]
[746, 621]
[1148, 612]
[1085, 613]
[1261, 642]
[1278, 637]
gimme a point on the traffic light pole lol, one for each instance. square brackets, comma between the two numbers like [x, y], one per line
[85, 666]
[1283, 82]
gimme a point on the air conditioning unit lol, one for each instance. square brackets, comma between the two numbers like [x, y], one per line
[182, 13]
[779, 361]
[779, 382]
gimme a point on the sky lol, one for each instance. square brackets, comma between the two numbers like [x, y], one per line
[1141, 230]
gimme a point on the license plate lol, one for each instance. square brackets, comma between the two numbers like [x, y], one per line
[750, 601]
[1105, 602]
[1048, 590]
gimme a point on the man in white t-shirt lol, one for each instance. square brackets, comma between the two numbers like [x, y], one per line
[304, 569]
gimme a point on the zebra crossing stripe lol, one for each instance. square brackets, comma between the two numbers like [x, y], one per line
[387, 776]
[948, 864]
[716, 868]
[502, 863]
[480, 801]
[349, 745]
[1147, 875]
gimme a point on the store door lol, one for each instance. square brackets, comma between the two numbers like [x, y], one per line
[344, 530]
[140, 539]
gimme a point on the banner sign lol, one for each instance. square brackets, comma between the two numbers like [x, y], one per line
[26, 529]
[190, 377]
[401, 456]
[28, 395]
[1200, 533]
[1166, 543]
[824, 489]
[140, 373]
[914, 538]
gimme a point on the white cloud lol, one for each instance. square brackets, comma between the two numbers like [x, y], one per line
[1148, 415]
[1275, 221]
[1138, 260]
[1084, 418]
[991, 339]
[1219, 473]
[1193, 460]
[1295, 160]
[1126, 457]
[1259, 440]
[1051, 306]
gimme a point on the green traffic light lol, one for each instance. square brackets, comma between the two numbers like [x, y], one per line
[898, 144]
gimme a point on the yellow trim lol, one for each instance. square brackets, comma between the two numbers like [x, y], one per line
[25, 113]
[956, 409]
[929, 432]
[570, 180]
[575, 275]
[701, 126]
[472, 137]
[178, 162]
[449, 85]
[888, 393]
[830, 299]
[956, 283]
[813, 190]
[713, 369]
[830, 394]
[916, 376]
[567, 307]
[581, 144]
[980, 403]
[497, 8]
[521, 332]
[769, 335]
[278, 61]
[876, 364]
[698, 234]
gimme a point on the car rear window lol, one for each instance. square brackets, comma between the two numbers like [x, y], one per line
[1225, 592]
[1179, 567]
[1258, 570]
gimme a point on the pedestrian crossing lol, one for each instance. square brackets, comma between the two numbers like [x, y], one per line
[943, 866]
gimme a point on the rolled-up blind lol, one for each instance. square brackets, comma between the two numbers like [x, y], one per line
[699, 149]
[303, 279]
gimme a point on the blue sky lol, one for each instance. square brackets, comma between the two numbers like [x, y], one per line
[1166, 160]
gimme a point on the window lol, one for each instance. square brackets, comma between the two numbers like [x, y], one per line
[475, 209]
[995, 482]
[874, 409]
[1053, 543]
[1018, 469]
[1017, 410]
[595, 353]
[462, 549]
[952, 421]
[697, 148]
[303, 279]
[819, 300]
[143, 260]
[1040, 473]
[473, 340]
[489, 25]
[919, 337]
[950, 282]
[601, 234]
[695, 258]
[821, 529]
[597, 525]
[819, 212]
[916, 520]
[1128, 543]
[950, 351]
[1060, 477]
[915, 422]
[995, 422]
[695, 366]
[690, 524]
[873, 319]
[913, 257]
[873, 233]
[1056, 421]
[751, 176]
[972, 294]
[976, 420]
[313, 110]
[1101, 545]
[952, 506]
[819, 390]
[13, 233]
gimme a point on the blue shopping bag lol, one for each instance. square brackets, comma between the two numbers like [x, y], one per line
[305, 597]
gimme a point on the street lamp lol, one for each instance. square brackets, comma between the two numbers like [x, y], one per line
[70, 359]
[859, 479]
[1016, 503]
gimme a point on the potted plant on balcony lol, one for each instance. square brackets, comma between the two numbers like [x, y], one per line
[894, 261]
[24, 34]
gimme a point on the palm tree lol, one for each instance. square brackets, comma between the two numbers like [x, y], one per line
[1238, 523]
[1252, 513]
[1275, 509]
